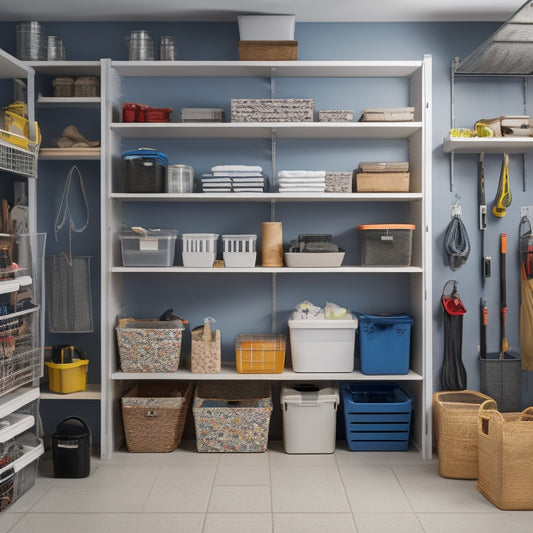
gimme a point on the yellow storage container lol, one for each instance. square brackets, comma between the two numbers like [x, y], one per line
[68, 377]
[260, 353]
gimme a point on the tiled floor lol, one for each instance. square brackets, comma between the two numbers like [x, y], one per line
[190, 492]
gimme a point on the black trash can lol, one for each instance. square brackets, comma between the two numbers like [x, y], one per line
[71, 448]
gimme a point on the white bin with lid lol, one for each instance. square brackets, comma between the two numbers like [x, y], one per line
[199, 249]
[323, 345]
[239, 250]
[309, 417]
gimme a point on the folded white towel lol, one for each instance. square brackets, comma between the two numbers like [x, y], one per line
[301, 189]
[295, 181]
[236, 173]
[302, 174]
[247, 168]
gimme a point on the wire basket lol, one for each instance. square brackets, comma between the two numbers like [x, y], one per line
[154, 415]
[16, 159]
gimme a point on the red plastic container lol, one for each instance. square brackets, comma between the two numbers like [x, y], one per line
[157, 114]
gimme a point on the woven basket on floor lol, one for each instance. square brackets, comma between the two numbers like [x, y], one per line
[154, 415]
[455, 429]
[505, 448]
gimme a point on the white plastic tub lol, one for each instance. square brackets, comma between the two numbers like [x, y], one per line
[309, 417]
[154, 249]
[323, 345]
[199, 249]
[266, 27]
[239, 250]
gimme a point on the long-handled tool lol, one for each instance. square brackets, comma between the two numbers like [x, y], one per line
[503, 195]
[504, 346]
[484, 315]
[485, 261]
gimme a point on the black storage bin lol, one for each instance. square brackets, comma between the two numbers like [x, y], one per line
[144, 171]
[71, 448]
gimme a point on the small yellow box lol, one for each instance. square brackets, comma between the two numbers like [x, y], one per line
[260, 353]
[68, 377]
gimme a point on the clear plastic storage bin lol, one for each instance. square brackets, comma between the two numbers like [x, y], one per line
[154, 249]
[260, 353]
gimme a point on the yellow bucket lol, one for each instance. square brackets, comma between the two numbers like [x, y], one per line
[68, 377]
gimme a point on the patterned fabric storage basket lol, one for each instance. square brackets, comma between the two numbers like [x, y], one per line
[505, 447]
[232, 417]
[154, 415]
[455, 428]
[149, 345]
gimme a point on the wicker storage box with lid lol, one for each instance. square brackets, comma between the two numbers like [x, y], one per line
[63, 86]
[86, 86]
[505, 451]
[232, 416]
[455, 428]
[149, 345]
[154, 415]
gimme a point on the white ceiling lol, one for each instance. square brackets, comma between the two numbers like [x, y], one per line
[227, 10]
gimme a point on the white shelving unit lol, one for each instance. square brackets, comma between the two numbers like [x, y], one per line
[72, 104]
[21, 384]
[417, 136]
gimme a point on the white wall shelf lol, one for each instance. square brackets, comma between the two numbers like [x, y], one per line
[228, 373]
[68, 154]
[476, 145]
[92, 392]
[268, 197]
[265, 130]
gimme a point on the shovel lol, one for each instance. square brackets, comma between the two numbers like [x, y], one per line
[504, 346]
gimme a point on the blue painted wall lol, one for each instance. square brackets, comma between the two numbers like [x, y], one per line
[476, 98]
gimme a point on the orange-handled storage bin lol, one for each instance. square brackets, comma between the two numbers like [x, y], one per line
[258, 353]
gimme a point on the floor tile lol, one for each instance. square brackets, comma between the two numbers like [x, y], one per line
[234, 474]
[8, 520]
[387, 523]
[240, 499]
[243, 459]
[497, 522]
[110, 523]
[347, 457]
[238, 523]
[280, 458]
[301, 489]
[430, 493]
[314, 523]
[374, 488]
[92, 500]
[181, 489]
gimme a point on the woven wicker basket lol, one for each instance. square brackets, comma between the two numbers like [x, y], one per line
[455, 428]
[505, 446]
[86, 86]
[63, 86]
[232, 417]
[154, 415]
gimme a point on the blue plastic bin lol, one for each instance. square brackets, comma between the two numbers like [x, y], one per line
[384, 343]
[377, 416]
